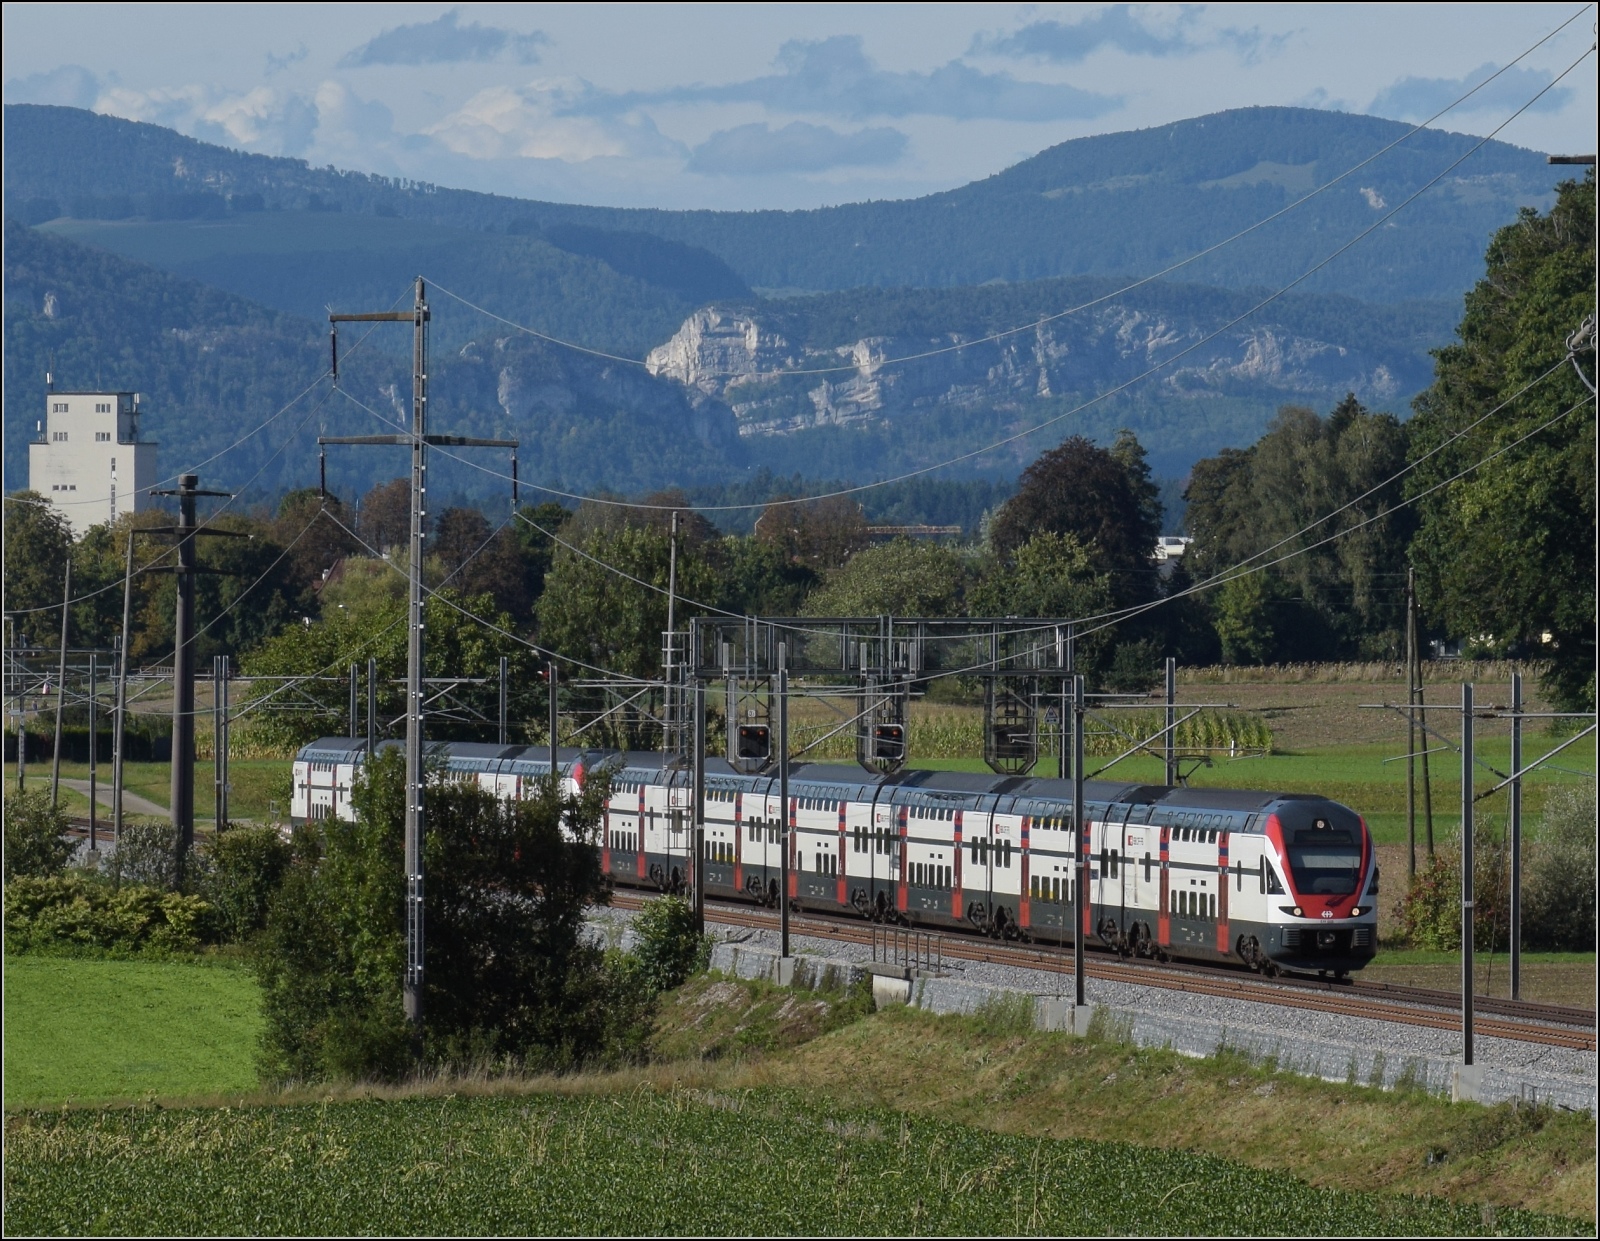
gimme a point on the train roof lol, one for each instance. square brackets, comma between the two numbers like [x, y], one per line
[918, 785]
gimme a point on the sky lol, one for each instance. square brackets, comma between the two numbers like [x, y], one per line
[769, 106]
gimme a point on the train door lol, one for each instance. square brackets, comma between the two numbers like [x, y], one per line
[881, 894]
[1140, 858]
[858, 826]
[1006, 871]
[978, 894]
[763, 863]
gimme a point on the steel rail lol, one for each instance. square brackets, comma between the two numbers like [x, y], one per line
[1549, 1025]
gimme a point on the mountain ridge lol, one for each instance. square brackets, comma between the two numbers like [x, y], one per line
[1125, 203]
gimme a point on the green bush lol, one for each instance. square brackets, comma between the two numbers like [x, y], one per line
[1428, 914]
[1558, 909]
[36, 843]
[146, 856]
[245, 866]
[510, 980]
[76, 911]
[667, 947]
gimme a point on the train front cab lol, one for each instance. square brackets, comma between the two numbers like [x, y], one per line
[1321, 914]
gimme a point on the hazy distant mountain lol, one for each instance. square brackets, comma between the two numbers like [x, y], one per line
[228, 262]
[212, 367]
[1126, 203]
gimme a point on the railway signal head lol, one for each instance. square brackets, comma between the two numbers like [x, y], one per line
[889, 741]
[754, 743]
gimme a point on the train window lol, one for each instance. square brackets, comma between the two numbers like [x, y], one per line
[1211, 901]
[1147, 868]
[1008, 855]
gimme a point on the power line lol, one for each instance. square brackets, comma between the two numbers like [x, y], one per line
[1050, 318]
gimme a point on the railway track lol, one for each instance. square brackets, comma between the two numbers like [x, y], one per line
[1547, 1025]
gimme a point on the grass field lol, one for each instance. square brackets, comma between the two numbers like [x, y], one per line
[678, 1161]
[87, 1031]
[256, 785]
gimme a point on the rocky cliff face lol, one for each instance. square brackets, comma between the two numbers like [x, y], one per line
[775, 387]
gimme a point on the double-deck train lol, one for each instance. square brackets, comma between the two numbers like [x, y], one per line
[1273, 881]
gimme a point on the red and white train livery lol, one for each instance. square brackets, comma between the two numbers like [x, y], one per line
[1270, 880]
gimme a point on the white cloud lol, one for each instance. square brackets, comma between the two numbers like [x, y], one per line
[263, 120]
[541, 121]
[445, 41]
[70, 86]
[835, 77]
[1414, 99]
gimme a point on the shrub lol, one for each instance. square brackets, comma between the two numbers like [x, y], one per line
[1559, 896]
[509, 979]
[1428, 914]
[667, 948]
[35, 835]
[75, 911]
[245, 866]
[145, 855]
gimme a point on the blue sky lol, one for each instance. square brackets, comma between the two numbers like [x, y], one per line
[770, 105]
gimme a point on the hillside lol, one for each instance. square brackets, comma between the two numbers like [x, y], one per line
[211, 366]
[1111, 204]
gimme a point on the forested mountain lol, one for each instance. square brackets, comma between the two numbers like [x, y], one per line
[211, 366]
[1127, 203]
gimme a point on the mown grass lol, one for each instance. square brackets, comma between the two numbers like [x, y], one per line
[675, 1161]
[256, 784]
[88, 1031]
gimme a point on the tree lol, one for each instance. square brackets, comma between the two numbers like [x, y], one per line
[386, 515]
[591, 611]
[459, 645]
[315, 530]
[1507, 550]
[1079, 489]
[476, 559]
[1338, 591]
[1243, 623]
[1050, 575]
[820, 534]
[902, 578]
[36, 842]
[510, 978]
[759, 579]
[37, 544]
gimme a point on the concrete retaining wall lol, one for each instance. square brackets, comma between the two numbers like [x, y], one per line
[1198, 1037]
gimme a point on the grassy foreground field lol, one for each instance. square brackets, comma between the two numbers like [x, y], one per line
[89, 1031]
[678, 1161]
[766, 1110]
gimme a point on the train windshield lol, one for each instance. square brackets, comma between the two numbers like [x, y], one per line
[1325, 862]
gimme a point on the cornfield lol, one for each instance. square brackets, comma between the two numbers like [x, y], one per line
[684, 1162]
[957, 733]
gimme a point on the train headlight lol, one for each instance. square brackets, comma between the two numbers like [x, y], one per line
[1294, 911]
[1355, 911]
